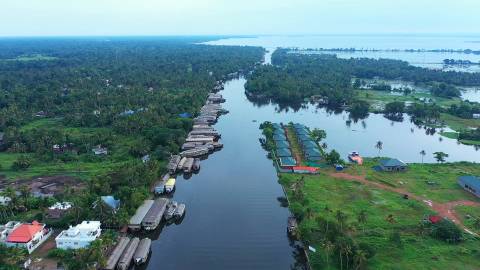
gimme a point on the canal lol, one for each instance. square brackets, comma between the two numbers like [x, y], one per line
[234, 219]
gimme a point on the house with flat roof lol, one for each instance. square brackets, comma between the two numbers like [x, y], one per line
[392, 165]
[79, 236]
[28, 236]
[470, 183]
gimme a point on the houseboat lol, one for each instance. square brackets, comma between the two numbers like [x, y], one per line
[143, 249]
[170, 185]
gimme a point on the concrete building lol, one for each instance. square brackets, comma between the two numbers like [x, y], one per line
[79, 236]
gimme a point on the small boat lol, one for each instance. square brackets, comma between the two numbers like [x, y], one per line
[292, 225]
[196, 164]
[171, 209]
[355, 157]
[179, 211]
[170, 185]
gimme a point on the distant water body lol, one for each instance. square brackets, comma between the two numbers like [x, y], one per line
[378, 42]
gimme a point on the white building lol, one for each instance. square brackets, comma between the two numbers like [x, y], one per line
[79, 236]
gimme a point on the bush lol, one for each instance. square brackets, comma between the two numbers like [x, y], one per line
[447, 231]
[22, 163]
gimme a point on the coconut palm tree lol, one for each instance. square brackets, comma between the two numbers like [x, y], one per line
[362, 218]
[328, 247]
[379, 146]
[360, 258]
[341, 218]
[423, 153]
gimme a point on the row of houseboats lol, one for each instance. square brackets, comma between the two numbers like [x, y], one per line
[128, 251]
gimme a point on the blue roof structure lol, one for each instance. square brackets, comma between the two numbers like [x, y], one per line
[276, 126]
[312, 152]
[284, 152]
[279, 137]
[185, 115]
[279, 132]
[392, 163]
[302, 131]
[111, 202]
[282, 144]
[304, 137]
[473, 183]
[287, 161]
[309, 144]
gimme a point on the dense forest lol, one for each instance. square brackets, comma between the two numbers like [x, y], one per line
[293, 77]
[59, 98]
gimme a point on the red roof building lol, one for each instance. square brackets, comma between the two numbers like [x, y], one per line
[25, 232]
[29, 236]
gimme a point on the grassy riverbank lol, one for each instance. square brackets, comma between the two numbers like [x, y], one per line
[379, 220]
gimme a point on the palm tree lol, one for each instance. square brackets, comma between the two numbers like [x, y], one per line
[362, 218]
[347, 250]
[328, 246]
[341, 218]
[360, 258]
[423, 153]
[379, 146]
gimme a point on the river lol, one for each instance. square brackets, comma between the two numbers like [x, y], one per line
[234, 219]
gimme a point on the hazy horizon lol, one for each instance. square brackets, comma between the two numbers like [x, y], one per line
[56, 18]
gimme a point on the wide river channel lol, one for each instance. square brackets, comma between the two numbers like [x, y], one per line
[234, 219]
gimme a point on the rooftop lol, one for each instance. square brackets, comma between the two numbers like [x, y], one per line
[25, 232]
[392, 163]
[472, 181]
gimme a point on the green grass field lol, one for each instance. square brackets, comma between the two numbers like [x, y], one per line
[416, 252]
[437, 182]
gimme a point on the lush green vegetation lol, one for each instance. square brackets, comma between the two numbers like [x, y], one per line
[123, 94]
[356, 226]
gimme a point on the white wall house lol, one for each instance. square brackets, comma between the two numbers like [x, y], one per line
[28, 235]
[79, 236]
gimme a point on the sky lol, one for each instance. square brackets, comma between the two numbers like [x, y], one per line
[236, 17]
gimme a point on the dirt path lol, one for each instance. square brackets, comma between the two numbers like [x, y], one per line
[443, 209]
[291, 139]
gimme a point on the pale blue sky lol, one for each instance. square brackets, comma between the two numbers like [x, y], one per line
[221, 17]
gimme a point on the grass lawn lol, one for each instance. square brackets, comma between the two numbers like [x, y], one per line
[415, 252]
[443, 185]
[457, 123]
[382, 97]
[33, 57]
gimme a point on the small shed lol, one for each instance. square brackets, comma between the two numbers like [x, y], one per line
[470, 183]
[304, 169]
[287, 162]
[392, 165]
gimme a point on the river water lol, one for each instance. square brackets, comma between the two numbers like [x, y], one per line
[233, 218]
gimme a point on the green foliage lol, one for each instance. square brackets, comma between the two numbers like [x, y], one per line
[22, 163]
[333, 158]
[318, 134]
[447, 231]
[440, 156]
[395, 109]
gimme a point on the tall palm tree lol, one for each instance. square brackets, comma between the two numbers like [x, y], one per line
[362, 218]
[423, 153]
[379, 146]
[341, 218]
[360, 258]
[328, 246]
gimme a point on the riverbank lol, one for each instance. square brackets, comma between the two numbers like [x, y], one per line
[362, 215]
